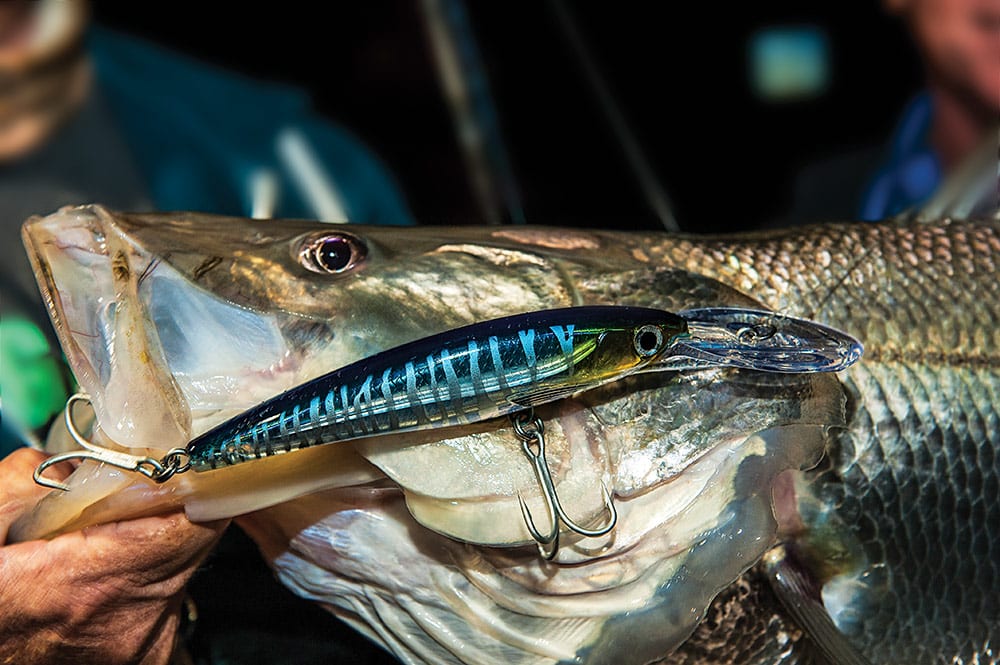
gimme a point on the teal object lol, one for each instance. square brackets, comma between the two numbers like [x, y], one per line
[789, 63]
[9, 439]
[32, 384]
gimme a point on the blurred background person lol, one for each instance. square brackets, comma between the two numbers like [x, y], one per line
[90, 115]
[959, 41]
[943, 126]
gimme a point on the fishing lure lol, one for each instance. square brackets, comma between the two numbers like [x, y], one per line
[496, 368]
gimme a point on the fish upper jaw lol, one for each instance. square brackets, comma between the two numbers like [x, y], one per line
[154, 352]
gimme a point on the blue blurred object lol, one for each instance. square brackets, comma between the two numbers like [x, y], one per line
[911, 171]
[199, 134]
[789, 63]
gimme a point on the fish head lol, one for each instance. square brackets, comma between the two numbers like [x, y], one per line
[174, 322]
[204, 316]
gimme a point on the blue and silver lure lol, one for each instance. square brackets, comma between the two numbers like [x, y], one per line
[466, 375]
[495, 368]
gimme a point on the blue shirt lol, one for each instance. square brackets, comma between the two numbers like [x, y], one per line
[911, 172]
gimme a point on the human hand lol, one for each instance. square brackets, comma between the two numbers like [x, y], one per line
[107, 594]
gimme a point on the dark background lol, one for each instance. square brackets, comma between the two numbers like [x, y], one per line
[726, 158]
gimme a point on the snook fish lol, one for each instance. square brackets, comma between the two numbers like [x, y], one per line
[876, 490]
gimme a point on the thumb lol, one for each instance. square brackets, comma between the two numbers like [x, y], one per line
[18, 491]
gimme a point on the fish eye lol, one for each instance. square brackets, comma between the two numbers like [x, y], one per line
[647, 341]
[331, 253]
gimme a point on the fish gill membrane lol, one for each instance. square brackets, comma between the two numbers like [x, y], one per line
[187, 319]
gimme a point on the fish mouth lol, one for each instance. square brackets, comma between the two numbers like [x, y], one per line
[131, 325]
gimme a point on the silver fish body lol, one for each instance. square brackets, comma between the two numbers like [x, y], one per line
[880, 482]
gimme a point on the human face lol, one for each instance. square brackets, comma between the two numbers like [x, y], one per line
[960, 40]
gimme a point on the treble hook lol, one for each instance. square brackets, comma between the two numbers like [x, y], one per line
[158, 470]
[531, 431]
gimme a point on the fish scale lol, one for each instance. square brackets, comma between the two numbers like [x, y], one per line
[955, 539]
[914, 480]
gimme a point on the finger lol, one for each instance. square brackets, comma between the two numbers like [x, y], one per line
[18, 490]
[17, 468]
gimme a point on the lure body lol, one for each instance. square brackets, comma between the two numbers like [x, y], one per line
[465, 375]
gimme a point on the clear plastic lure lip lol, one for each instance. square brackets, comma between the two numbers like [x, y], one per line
[759, 340]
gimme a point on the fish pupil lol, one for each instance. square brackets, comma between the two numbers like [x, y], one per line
[334, 254]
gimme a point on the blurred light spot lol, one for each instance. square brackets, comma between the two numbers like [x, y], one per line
[789, 63]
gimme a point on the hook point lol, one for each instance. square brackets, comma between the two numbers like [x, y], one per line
[48, 482]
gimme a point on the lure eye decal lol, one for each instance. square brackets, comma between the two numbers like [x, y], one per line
[648, 340]
[331, 253]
